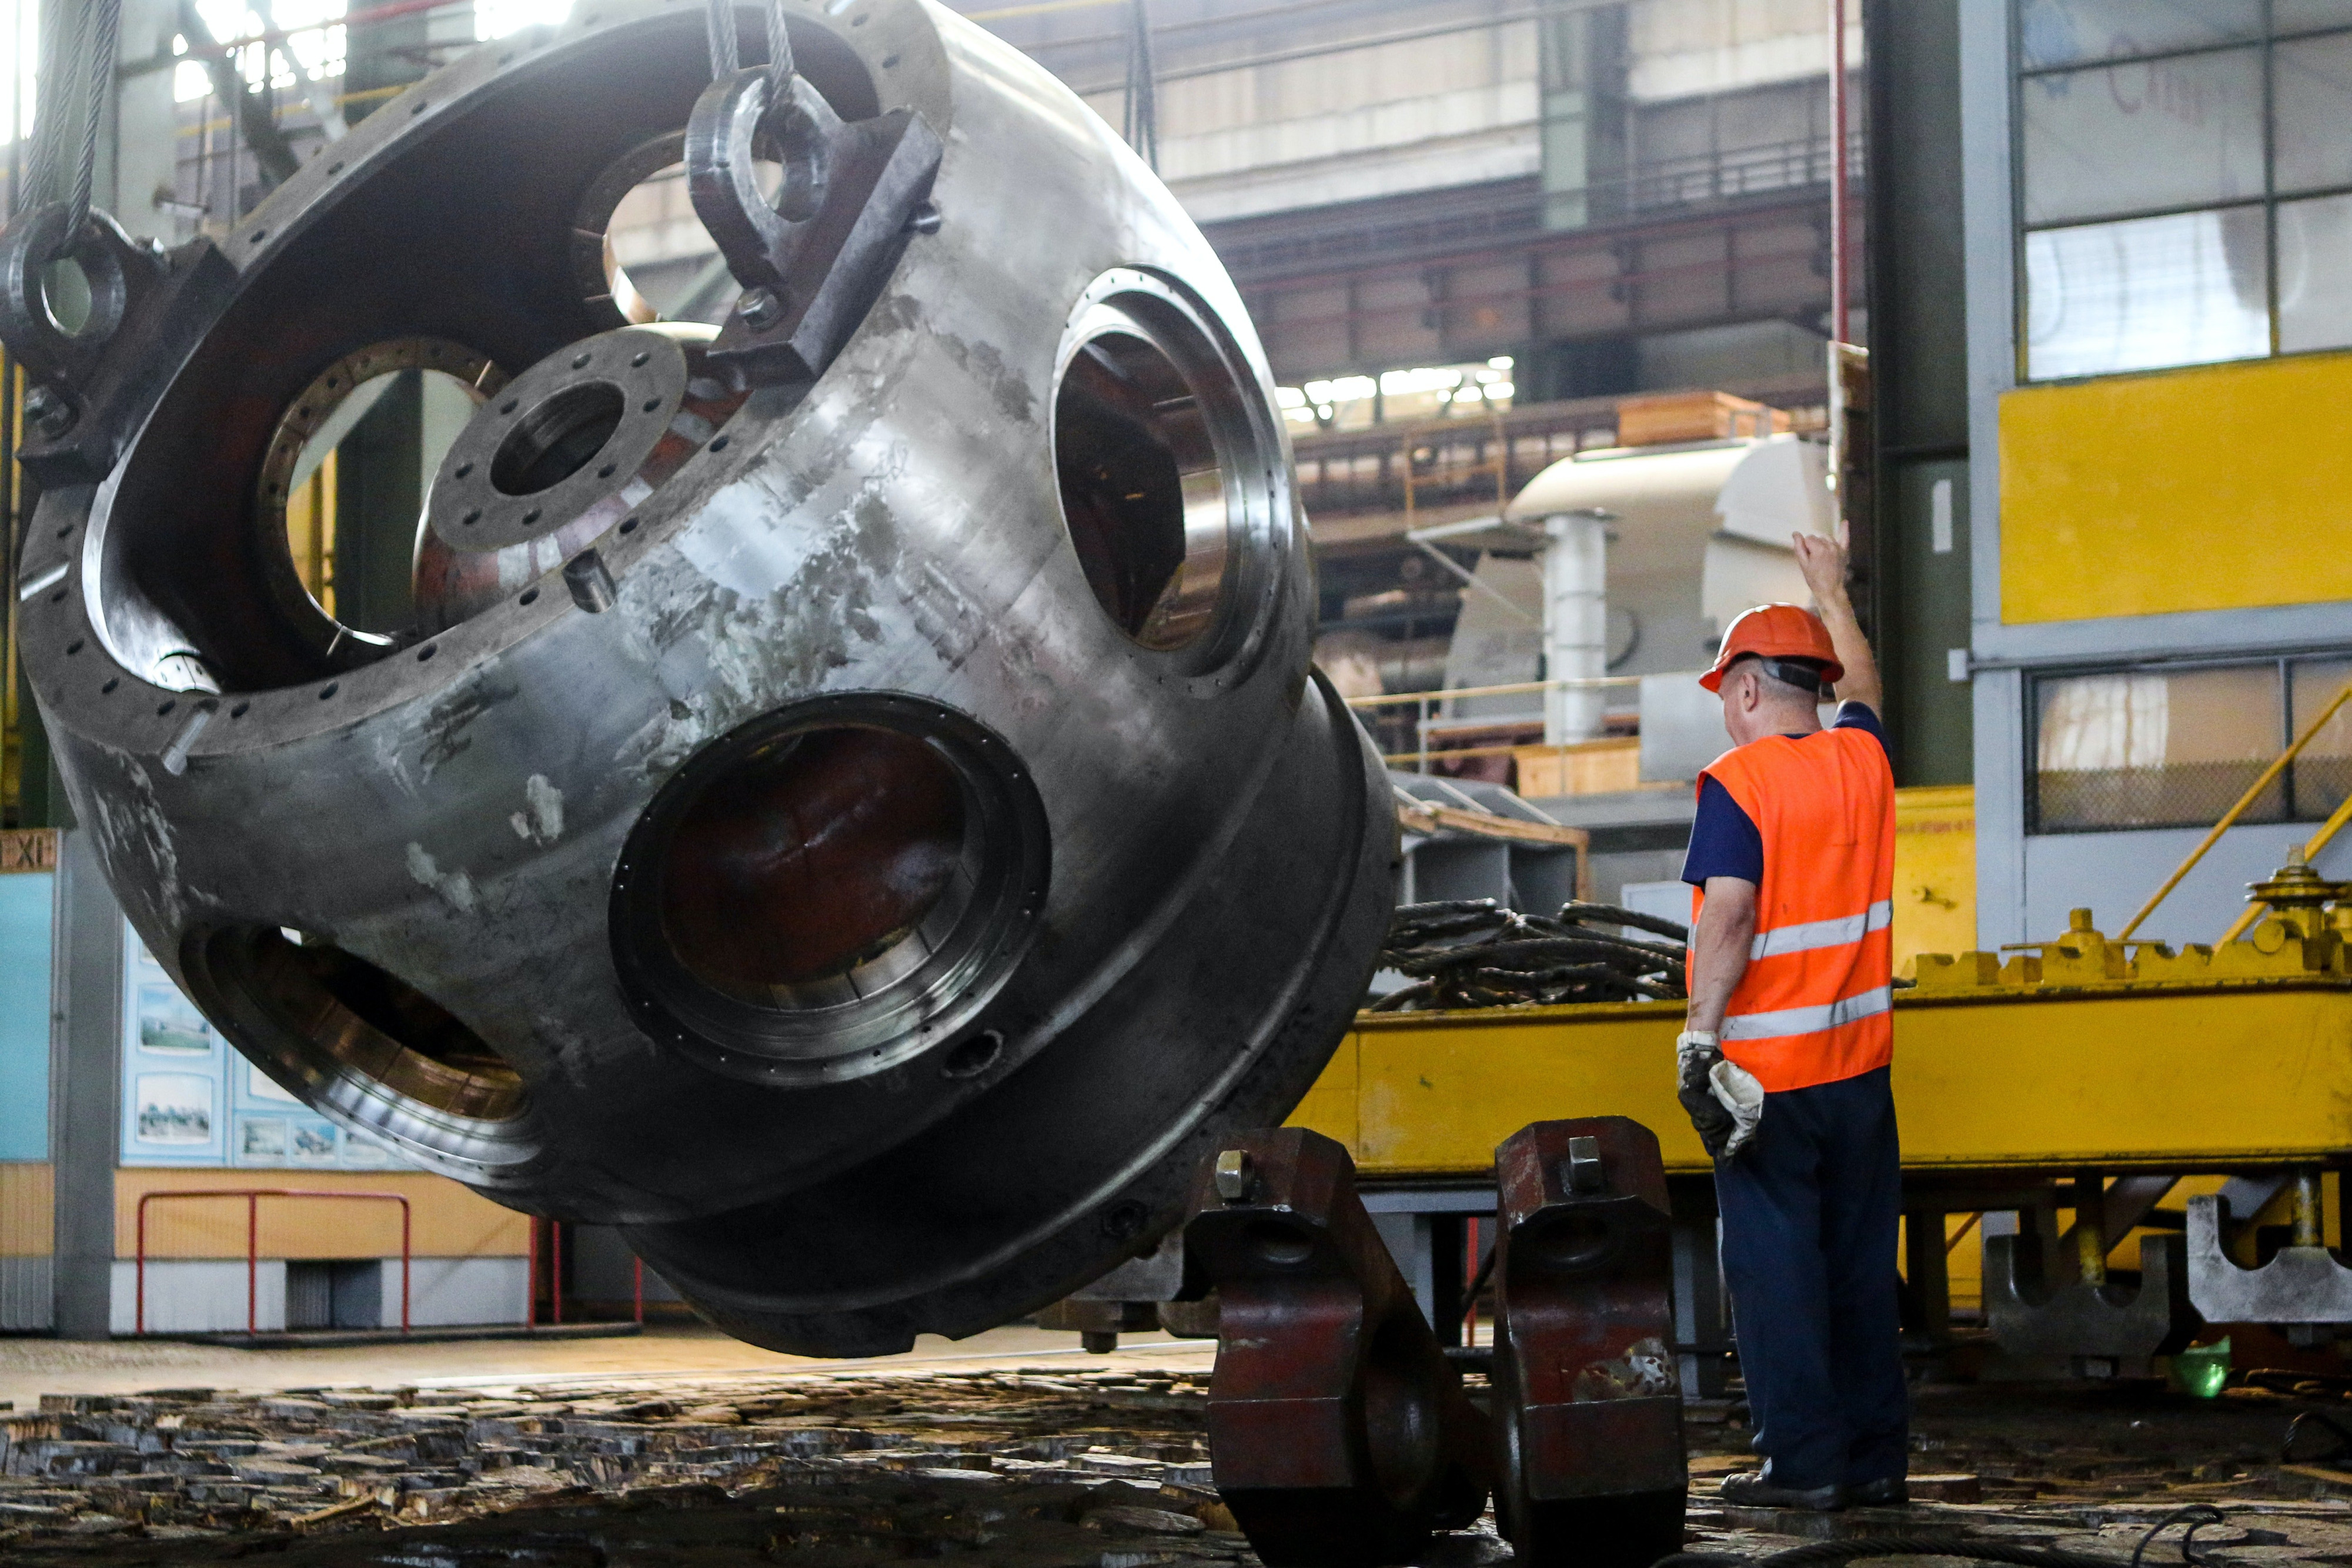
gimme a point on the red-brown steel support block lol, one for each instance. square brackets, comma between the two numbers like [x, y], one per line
[1587, 1412]
[1339, 1431]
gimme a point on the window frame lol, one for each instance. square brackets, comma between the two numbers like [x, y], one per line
[2266, 43]
[2282, 665]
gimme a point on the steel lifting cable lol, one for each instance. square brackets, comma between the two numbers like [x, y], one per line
[1826, 1554]
[101, 25]
[94, 51]
[727, 52]
[726, 57]
[780, 53]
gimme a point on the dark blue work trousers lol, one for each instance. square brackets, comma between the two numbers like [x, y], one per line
[1809, 1209]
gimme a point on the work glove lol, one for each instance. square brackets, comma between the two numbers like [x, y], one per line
[1722, 1098]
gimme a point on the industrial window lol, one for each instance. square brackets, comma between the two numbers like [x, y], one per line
[2176, 748]
[2184, 190]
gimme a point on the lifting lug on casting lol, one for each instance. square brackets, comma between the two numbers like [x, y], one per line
[62, 296]
[811, 259]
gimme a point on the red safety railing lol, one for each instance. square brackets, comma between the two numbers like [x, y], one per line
[531, 1274]
[555, 1278]
[253, 1196]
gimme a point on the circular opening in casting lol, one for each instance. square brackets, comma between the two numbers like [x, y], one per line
[557, 439]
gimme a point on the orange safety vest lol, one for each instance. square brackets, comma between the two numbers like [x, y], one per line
[1815, 1005]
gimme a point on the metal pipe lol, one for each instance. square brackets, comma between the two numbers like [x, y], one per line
[1841, 323]
[2229, 818]
[1509, 688]
[406, 1257]
[1469, 1290]
[211, 50]
[1575, 623]
[1453, 754]
[2091, 1228]
[2307, 1207]
[1342, 46]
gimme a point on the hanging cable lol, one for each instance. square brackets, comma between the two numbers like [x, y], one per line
[725, 55]
[90, 65]
[101, 25]
[780, 53]
[1142, 117]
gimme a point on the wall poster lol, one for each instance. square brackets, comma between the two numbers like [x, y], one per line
[189, 1099]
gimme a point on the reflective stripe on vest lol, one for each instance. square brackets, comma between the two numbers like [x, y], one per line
[1807, 1021]
[1822, 933]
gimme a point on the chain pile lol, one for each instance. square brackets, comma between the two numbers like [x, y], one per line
[1475, 952]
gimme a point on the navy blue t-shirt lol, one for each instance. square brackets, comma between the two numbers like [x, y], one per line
[1724, 841]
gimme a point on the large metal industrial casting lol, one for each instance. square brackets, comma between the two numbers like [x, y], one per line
[848, 800]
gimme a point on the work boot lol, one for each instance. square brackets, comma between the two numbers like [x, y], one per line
[1757, 1490]
[1886, 1491]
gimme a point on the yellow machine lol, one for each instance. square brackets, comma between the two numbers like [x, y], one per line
[2024, 1080]
[2080, 1053]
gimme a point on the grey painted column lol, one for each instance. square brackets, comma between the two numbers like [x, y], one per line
[1918, 364]
[85, 1089]
[1989, 239]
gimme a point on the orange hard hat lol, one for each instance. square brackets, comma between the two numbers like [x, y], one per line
[1776, 632]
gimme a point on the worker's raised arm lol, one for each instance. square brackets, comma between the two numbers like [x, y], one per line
[1823, 563]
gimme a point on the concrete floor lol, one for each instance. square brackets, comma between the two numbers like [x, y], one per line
[30, 1367]
[683, 1447]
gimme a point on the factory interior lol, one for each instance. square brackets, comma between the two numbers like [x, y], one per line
[820, 781]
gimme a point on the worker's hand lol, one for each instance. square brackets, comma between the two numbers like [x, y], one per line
[1697, 1055]
[1742, 1099]
[1823, 563]
[1723, 1099]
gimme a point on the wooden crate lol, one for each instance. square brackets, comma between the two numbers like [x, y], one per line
[1586, 768]
[1669, 417]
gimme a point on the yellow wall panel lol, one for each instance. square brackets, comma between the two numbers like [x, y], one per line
[2216, 489]
[1935, 871]
[26, 1202]
[449, 1221]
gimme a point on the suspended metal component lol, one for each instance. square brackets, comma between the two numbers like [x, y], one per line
[848, 800]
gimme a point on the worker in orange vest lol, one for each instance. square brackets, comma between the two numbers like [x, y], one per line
[1784, 1056]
